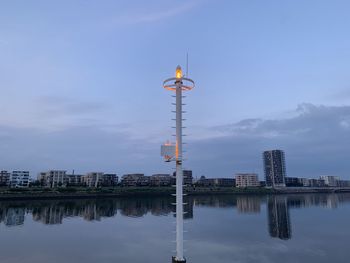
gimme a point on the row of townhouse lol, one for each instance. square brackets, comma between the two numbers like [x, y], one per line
[322, 181]
[139, 179]
[241, 180]
[59, 178]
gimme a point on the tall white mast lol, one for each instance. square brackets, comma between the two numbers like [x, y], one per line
[179, 84]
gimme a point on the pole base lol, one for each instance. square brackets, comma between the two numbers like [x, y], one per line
[174, 260]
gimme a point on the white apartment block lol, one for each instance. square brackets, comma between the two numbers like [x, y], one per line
[19, 179]
[93, 179]
[53, 178]
[247, 180]
[330, 180]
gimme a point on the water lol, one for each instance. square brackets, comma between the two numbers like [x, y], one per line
[294, 228]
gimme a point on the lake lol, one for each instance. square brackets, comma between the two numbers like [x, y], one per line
[282, 228]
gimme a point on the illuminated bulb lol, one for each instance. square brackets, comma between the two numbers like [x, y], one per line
[178, 72]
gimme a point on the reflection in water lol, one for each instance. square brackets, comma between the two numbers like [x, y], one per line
[248, 204]
[53, 212]
[225, 229]
[278, 217]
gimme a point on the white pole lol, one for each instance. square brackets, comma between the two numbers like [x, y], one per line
[179, 174]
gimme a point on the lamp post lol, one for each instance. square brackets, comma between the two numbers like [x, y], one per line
[178, 85]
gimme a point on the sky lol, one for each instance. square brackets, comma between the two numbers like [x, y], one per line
[81, 85]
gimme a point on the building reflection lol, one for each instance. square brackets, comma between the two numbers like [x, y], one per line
[54, 212]
[248, 204]
[278, 217]
[278, 208]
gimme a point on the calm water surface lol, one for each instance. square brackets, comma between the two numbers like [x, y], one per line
[293, 228]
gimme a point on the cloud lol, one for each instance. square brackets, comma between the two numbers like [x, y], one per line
[315, 140]
[83, 148]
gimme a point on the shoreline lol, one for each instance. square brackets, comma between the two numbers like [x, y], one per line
[67, 193]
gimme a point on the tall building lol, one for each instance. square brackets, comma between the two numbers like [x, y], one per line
[4, 178]
[19, 179]
[275, 168]
[247, 180]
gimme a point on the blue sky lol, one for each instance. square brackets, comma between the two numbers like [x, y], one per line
[80, 84]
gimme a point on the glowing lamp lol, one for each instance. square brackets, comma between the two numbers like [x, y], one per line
[178, 73]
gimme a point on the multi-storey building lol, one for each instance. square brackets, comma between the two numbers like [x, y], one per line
[187, 177]
[93, 179]
[19, 179]
[53, 178]
[205, 181]
[132, 179]
[332, 181]
[247, 180]
[74, 179]
[275, 168]
[160, 180]
[225, 182]
[4, 178]
[317, 183]
[110, 179]
[293, 181]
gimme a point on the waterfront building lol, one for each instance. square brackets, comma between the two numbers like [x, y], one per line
[331, 181]
[344, 183]
[293, 182]
[53, 178]
[317, 183]
[96, 179]
[187, 177]
[92, 179]
[74, 179]
[132, 179]
[160, 180]
[274, 168]
[225, 182]
[219, 182]
[247, 180]
[19, 179]
[110, 179]
[206, 182]
[305, 182]
[4, 178]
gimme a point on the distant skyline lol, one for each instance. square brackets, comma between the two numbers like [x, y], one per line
[81, 85]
